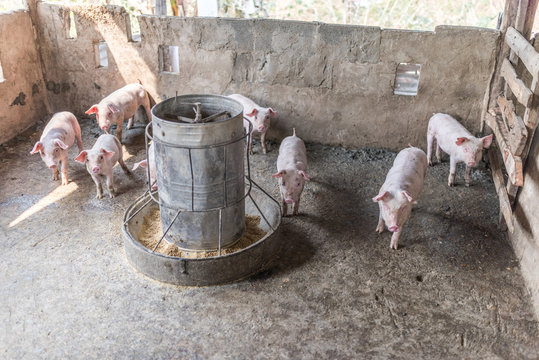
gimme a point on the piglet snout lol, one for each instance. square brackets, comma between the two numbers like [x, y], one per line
[288, 200]
[393, 228]
[53, 166]
[105, 128]
[471, 163]
[261, 128]
[96, 169]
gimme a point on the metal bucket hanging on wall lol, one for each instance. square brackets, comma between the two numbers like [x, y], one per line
[199, 156]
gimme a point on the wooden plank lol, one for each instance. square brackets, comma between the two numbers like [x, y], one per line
[517, 132]
[519, 25]
[512, 191]
[524, 50]
[513, 164]
[496, 82]
[497, 176]
[519, 89]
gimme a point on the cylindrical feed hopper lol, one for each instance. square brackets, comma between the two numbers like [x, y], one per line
[199, 155]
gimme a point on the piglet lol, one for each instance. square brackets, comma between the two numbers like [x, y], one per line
[100, 160]
[258, 116]
[144, 164]
[59, 135]
[291, 171]
[120, 105]
[455, 140]
[400, 191]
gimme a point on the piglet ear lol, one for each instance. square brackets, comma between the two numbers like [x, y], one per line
[61, 144]
[461, 140]
[272, 113]
[407, 195]
[113, 108]
[81, 157]
[487, 141]
[92, 110]
[37, 147]
[279, 174]
[380, 196]
[106, 153]
[252, 113]
[142, 163]
[305, 176]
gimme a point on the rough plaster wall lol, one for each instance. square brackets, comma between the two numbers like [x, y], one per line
[334, 83]
[22, 94]
[525, 239]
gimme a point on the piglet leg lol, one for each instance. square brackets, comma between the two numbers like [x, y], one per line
[430, 146]
[65, 180]
[285, 208]
[395, 239]
[55, 173]
[452, 170]
[119, 131]
[381, 224]
[110, 185]
[296, 206]
[98, 186]
[467, 175]
[263, 142]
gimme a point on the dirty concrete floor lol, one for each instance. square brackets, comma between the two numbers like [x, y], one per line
[335, 291]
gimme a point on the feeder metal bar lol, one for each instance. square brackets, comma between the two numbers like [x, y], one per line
[192, 182]
[139, 209]
[268, 195]
[261, 213]
[220, 229]
[224, 183]
[166, 231]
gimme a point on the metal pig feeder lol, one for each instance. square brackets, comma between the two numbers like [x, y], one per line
[203, 194]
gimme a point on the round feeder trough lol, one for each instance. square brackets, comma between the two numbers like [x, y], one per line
[203, 197]
[204, 271]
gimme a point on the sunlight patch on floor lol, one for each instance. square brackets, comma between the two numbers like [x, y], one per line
[57, 194]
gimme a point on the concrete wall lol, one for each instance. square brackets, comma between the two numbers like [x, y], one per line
[333, 83]
[22, 93]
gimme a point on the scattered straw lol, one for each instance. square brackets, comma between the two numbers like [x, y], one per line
[151, 232]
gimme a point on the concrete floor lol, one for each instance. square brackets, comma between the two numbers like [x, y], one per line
[336, 290]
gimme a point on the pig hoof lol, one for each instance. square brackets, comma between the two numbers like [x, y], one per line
[98, 196]
[467, 184]
[65, 182]
[379, 230]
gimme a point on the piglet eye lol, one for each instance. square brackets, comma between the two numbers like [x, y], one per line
[56, 150]
[283, 183]
[101, 157]
[298, 184]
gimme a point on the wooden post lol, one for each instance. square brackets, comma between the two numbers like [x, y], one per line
[497, 176]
